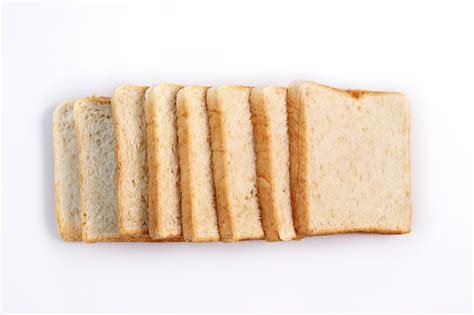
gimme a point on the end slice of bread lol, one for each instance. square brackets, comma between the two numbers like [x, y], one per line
[233, 160]
[198, 204]
[270, 127]
[164, 209]
[66, 173]
[95, 136]
[350, 160]
[131, 153]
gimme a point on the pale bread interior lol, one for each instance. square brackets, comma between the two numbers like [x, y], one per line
[131, 149]
[95, 132]
[66, 173]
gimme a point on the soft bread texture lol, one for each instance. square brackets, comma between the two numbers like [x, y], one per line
[66, 173]
[131, 152]
[270, 127]
[350, 160]
[233, 160]
[199, 215]
[164, 211]
[96, 141]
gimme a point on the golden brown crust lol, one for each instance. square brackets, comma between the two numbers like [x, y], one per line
[219, 166]
[355, 230]
[142, 238]
[264, 162]
[188, 221]
[153, 166]
[298, 167]
[356, 94]
[120, 160]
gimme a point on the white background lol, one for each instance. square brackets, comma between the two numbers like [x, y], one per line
[53, 52]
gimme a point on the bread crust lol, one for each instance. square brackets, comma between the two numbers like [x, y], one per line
[219, 166]
[184, 164]
[120, 176]
[153, 166]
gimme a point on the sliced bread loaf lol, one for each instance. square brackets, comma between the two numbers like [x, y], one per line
[270, 128]
[164, 210]
[350, 160]
[233, 160]
[131, 152]
[198, 205]
[66, 173]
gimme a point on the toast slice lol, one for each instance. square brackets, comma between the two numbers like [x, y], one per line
[131, 153]
[66, 173]
[198, 204]
[164, 211]
[270, 128]
[233, 163]
[350, 160]
[95, 137]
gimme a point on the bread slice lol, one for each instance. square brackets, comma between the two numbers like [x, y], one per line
[233, 162]
[350, 160]
[96, 141]
[66, 173]
[270, 128]
[198, 205]
[131, 152]
[164, 210]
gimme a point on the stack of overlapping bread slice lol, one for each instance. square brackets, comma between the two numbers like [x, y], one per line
[231, 163]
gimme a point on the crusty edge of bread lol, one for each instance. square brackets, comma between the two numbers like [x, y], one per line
[140, 238]
[296, 132]
[187, 218]
[270, 222]
[65, 233]
[311, 232]
[219, 166]
[356, 94]
[119, 160]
